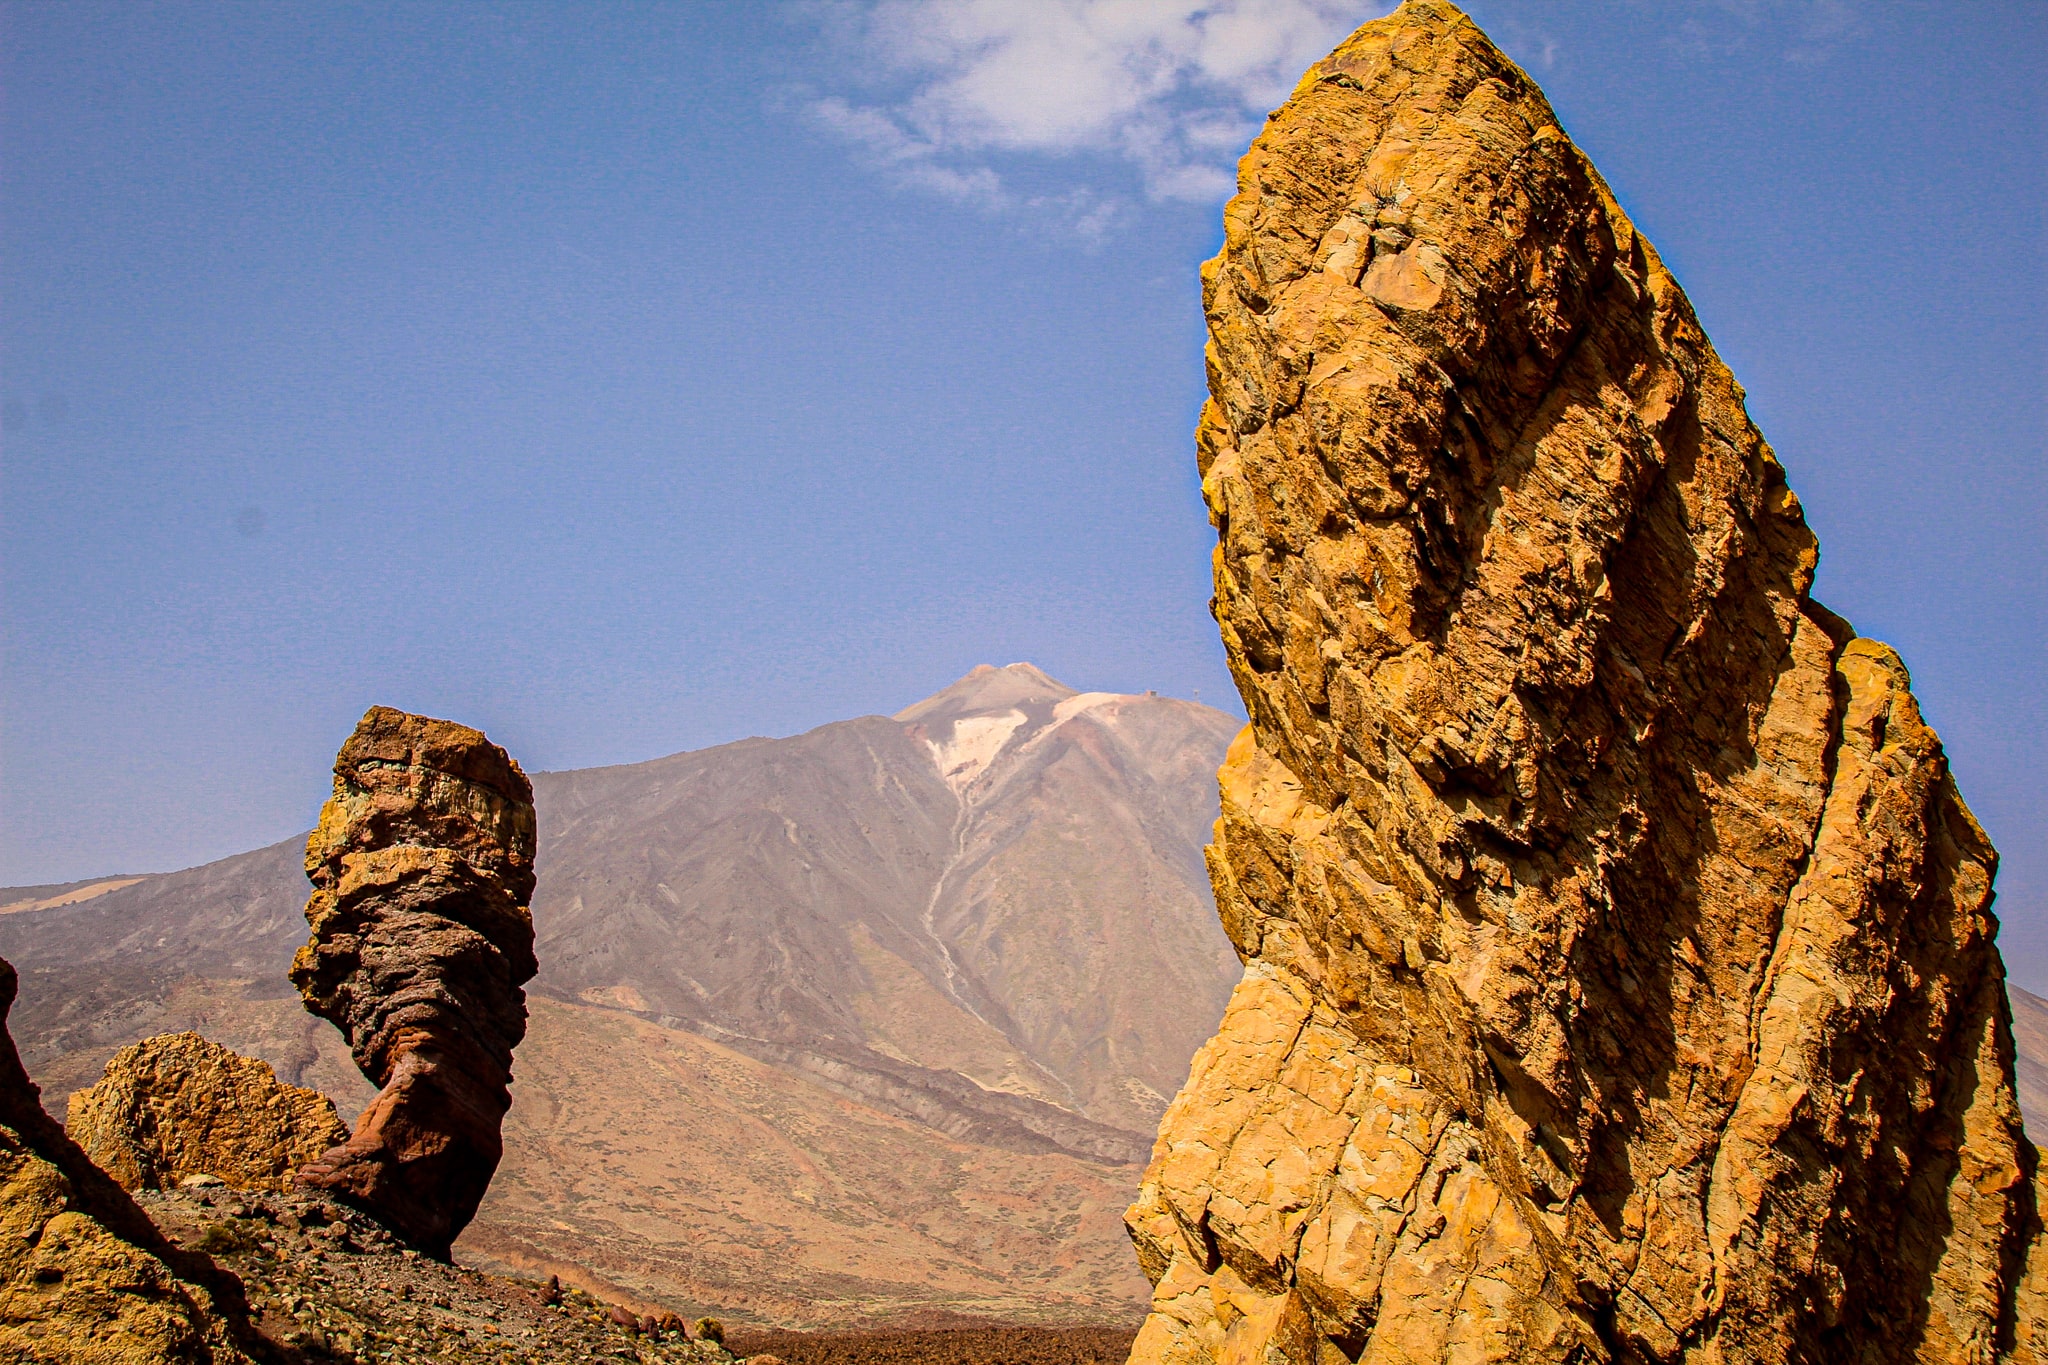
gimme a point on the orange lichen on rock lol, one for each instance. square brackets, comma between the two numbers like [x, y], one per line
[1621, 979]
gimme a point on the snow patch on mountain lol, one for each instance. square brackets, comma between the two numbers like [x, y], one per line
[973, 744]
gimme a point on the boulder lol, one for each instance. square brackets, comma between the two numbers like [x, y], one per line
[422, 868]
[85, 1277]
[177, 1107]
[1621, 978]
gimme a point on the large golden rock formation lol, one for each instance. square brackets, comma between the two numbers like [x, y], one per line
[85, 1277]
[178, 1105]
[422, 868]
[1620, 973]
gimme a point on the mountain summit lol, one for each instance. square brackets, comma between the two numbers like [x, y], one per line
[987, 688]
[975, 887]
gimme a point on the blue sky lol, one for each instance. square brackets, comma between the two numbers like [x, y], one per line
[632, 378]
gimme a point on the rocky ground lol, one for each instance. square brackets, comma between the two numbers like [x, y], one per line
[993, 1345]
[334, 1286]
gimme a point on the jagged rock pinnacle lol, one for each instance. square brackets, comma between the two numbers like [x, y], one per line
[1621, 980]
[422, 868]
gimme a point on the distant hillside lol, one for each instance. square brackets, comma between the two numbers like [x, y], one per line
[2030, 1037]
[874, 1018]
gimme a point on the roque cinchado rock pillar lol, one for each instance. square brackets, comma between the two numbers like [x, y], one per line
[1620, 968]
[422, 868]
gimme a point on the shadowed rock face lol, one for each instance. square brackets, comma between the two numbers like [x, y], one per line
[178, 1105]
[84, 1274]
[422, 868]
[1621, 979]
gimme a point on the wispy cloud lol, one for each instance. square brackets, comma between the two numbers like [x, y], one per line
[1170, 89]
[911, 158]
[1804, 31]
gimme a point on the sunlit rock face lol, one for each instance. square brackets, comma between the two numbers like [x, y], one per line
[1620, 970]
[84, 1275]
[422, 935]
[179, 1105]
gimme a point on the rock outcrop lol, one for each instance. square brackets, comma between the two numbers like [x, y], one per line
[84, 1275]
[177, 1105]
[1621, 980]
[422, 867]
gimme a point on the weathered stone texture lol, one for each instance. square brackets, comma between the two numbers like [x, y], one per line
[1621, 979]
[177, 1105]
[422, 867]
[85, 1277]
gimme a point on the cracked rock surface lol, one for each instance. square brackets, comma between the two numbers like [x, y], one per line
[422, 871]
[179, 1105]
[85, 1278]
[1621, 979]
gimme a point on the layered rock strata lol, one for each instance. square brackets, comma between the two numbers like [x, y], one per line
[84, 1275]
[1620, 977]
[422, 868]
[177, 1105]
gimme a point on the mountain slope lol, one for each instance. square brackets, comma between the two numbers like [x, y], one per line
[977, 932]
[690, 1174]
[2030, 1042]
[993, 884]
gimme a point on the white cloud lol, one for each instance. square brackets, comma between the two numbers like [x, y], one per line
[1803, 31]
[909, 158]
[1174, 89]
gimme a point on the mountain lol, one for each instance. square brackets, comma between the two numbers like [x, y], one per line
[997, 885]
[2030, 1043]
[872, 1018]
